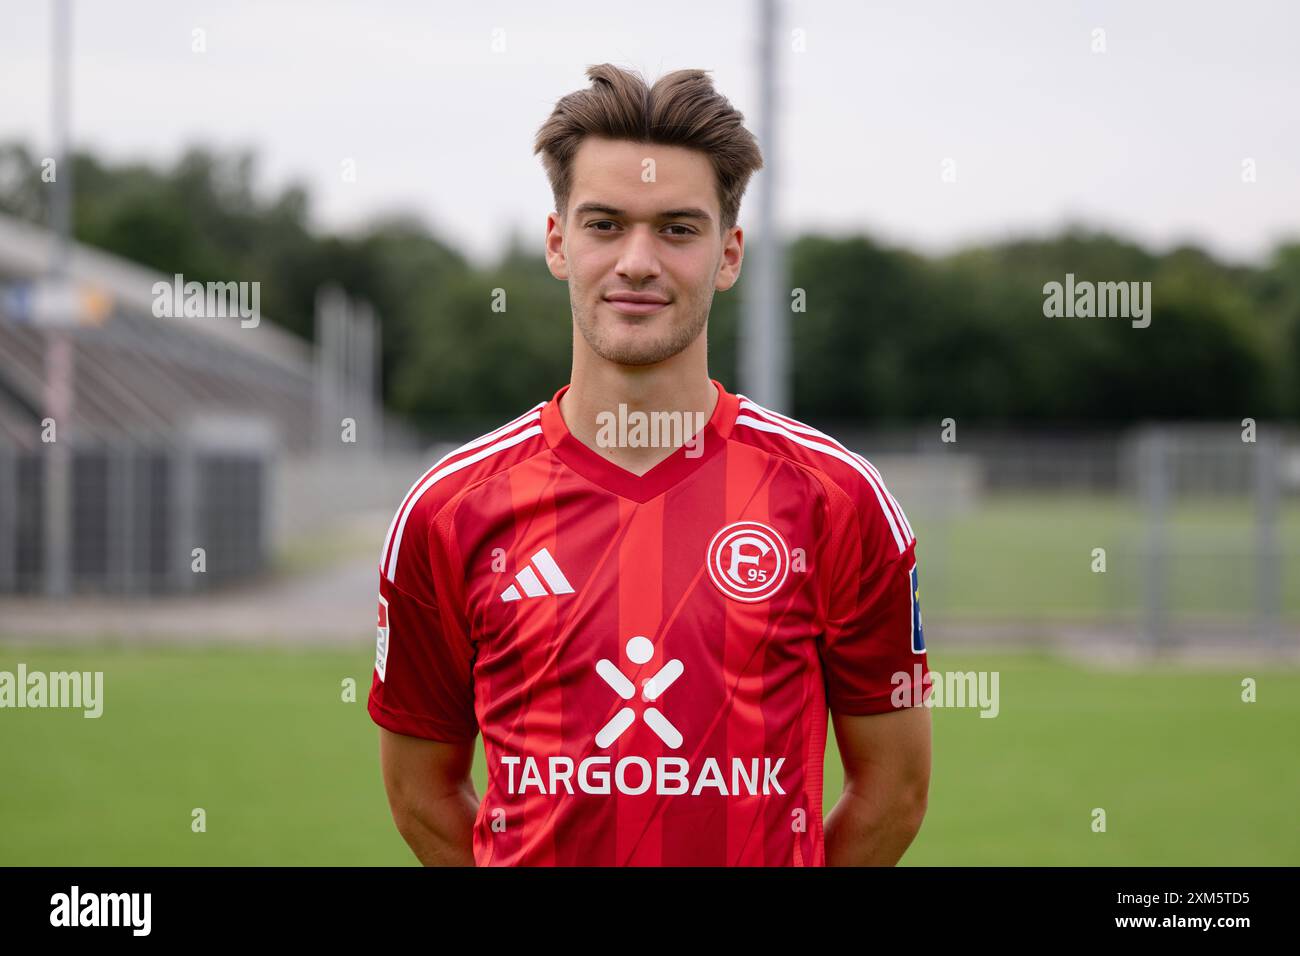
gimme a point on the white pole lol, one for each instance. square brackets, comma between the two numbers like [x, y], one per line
[764, 334]
[59, 371]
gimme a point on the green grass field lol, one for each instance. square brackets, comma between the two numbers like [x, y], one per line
[288, 773]
[1024, 555]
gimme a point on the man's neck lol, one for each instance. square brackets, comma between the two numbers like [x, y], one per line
[598, 388]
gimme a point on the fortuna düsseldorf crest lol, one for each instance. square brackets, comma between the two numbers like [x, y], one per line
[748, 561]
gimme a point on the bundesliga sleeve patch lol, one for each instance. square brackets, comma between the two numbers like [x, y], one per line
[918, 637]
[381, 638]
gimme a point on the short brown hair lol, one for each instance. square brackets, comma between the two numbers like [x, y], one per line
[681, 109]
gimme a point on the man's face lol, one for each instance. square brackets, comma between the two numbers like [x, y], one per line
[642, 223]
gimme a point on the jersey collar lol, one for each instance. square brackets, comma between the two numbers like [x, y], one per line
[601, 471]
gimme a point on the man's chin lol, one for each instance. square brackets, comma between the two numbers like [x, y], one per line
[636, 340]
[636, 356]
[637, 350]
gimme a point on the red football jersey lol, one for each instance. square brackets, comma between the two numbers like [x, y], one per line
[649, 659]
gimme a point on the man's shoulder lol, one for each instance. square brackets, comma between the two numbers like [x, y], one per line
[458, 469]
[851, 480]
[814, 450]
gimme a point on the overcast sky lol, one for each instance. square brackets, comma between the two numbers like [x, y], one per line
[1148, 137]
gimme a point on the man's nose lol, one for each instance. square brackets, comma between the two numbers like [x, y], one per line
[637, 259]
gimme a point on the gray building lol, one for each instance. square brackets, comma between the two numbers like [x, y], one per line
[171, 429]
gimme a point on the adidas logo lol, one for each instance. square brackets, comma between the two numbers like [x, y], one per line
[527, 579]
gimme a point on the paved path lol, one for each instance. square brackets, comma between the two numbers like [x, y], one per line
[330, 606]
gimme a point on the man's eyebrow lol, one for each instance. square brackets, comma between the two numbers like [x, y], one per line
[689, 212]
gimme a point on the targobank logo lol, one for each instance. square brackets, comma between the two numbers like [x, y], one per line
[639, 650]
[634, 775]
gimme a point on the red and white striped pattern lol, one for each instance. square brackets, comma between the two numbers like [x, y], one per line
[507, 436]
[753, 415]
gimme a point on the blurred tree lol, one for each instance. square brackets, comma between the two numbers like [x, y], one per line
[1276, 292]
[886, 336]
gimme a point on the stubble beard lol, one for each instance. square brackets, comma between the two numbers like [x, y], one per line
[678, 335]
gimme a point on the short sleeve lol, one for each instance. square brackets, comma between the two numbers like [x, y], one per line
[422, 685]
[873, 646]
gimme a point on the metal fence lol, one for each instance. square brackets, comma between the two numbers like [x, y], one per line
[1155, 538]
[137, 514]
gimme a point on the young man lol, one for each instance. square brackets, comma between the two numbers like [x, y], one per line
[647, 632]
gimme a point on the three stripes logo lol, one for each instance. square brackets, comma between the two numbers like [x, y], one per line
[555, 581]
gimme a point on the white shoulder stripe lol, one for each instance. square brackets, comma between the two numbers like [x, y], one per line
[443, 473]
[530, 415]
[766, 426]
[800, 427]
[897, 507]
[399, 517]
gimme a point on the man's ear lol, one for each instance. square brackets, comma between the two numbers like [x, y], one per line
[555, 258]
[733, 253]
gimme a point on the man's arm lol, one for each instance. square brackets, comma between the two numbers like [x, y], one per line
[886, 761]
[431, 795]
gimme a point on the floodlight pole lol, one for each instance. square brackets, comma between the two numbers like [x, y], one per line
[764, 333]
[59, 357]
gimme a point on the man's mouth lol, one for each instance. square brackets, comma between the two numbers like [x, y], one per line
[636, 303]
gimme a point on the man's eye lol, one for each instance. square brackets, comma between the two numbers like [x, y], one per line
[677, 225]
[601, 222]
